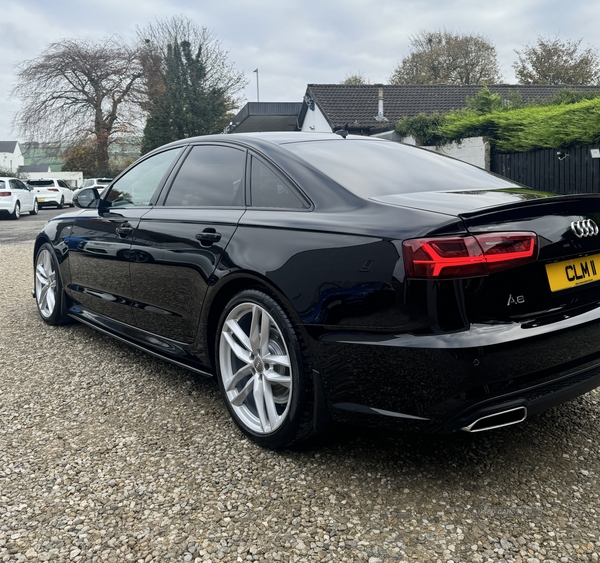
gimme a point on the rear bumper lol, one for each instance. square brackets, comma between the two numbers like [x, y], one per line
[48, 200]
[442, 383]
[7, 205]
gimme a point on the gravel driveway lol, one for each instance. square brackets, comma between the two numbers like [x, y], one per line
[107, 454]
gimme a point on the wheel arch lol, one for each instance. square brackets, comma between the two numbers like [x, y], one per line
[220, 294]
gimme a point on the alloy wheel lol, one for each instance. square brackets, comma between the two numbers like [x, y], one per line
[45, 284]
[256, 368]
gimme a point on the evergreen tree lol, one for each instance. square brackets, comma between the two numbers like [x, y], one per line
[189, 84]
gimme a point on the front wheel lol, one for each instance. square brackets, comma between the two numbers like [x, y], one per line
[263, 371]
[49, 295]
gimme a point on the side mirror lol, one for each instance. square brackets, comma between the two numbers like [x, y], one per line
[86, 198]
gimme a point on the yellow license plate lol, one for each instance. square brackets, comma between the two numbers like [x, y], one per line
[571, 273]
[41, 199]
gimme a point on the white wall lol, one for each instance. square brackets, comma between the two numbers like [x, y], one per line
[12, 161]
[315, 121]
[475, 150]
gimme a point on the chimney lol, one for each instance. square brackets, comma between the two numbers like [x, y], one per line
[380, 116]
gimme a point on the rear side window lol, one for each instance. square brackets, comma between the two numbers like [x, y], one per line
[269, 190]
[211, 176]
[2, 185]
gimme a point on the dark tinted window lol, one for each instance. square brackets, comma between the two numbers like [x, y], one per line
[269, 190]
[15, 185]
[41, 183]
[373, 168]
[137, 187]
[2, 184]
[211, 176]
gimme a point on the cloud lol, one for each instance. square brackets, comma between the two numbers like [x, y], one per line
[292, 42]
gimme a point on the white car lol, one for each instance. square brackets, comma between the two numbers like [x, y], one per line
[50, 191]
[17, 197]
[96, 183]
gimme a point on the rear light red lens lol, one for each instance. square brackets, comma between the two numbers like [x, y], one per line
[4, 194]
[468, 256]
[53, 190]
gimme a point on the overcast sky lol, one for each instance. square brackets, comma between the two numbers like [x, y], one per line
[292, 43]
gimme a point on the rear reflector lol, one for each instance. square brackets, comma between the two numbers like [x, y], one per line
[4, 194]
[463, 257]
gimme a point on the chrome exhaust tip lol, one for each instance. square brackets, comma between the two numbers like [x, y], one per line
[497, 420]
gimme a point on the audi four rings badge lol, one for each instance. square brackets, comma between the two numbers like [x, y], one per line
[585, 228]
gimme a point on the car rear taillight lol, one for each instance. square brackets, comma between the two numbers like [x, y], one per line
[53, 190]
[468, 256]
[4, 194]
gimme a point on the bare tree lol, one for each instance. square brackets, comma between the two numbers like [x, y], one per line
[78, 90]
[220, 71]
[447, 57]
[355, 78]
[552, 61]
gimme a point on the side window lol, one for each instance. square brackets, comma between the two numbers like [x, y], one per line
[136, 188]
[269, 190]
[21, 185]
[14, 185]
[211, 176]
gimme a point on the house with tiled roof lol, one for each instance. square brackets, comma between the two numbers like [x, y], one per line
[11, 156]
[28, 168]
[371, 109]
[374, 109]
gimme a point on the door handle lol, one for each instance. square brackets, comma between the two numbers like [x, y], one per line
[208, 237]
[124, 230]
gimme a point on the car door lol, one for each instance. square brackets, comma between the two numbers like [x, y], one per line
[100, 243]
[66, 191]
[24, 195]
[178, 244]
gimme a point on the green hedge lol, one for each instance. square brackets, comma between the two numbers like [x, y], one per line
[525, 129]
[512, 130]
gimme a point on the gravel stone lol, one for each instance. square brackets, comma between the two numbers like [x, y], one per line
[108, 455]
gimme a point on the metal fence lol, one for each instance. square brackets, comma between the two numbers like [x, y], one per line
[563, 171]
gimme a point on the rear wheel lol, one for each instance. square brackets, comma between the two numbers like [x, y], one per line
[35, 209]
[16, 214]
[49, 294]
[61, 205]
[263, 371]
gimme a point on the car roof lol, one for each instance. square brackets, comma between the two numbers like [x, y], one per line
[277, 138]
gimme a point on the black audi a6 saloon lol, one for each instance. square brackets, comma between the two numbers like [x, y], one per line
[319, 277]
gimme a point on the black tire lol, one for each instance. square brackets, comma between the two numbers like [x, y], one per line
[35, 209]
[49, 294]
[61, 205]
[285, 393]
[16, 214]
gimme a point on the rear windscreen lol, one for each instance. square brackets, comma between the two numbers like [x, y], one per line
[40, 183]
[371, 168]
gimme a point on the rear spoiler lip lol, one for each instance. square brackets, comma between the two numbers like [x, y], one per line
[550, 201]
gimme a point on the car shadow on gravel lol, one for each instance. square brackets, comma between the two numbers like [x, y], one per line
[545, 440]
